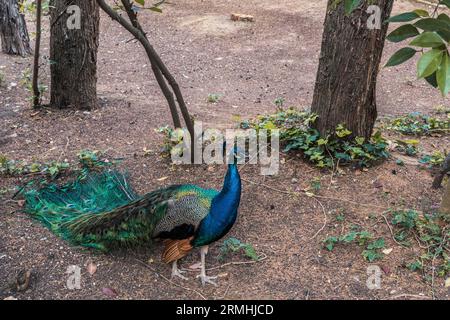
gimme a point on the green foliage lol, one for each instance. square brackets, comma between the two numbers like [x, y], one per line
[213, 97]
[436, 159]
[15, 168]
[297, 133]
[432, 233]
[428, 32]
[30, 7]
[26, 82]
[87, 160]
[419, 124]
[173, 141]
[232, 245]
[363, 239]
[279, 102]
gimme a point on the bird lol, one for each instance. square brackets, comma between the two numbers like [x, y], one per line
[445, 169]
[102, 211]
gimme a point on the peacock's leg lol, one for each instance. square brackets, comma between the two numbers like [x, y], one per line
[203, 277]
[177, 272]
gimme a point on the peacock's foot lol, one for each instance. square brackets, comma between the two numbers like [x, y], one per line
[178, 273]
[206, 279]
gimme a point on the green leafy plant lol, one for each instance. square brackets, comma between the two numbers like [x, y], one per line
[431, 36]
[297, 133]
[87, 160]
[232, 245]
[173, 141]
[279, 102]
[436, 159]
[433, 234]
[419, 124]
[363, 239]
[213, 97]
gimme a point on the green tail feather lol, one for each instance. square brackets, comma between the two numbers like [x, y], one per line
[101, 211]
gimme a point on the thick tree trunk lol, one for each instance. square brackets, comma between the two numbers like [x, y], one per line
[13, 29]
[73, 52]
[345, 90]
[445, 206]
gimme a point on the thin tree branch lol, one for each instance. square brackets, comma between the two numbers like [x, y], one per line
[153, 56]
[36, 91]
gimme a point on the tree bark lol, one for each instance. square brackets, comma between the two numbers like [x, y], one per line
[73, 52]
[345, 90]
[13, 29]
[445, 206]
[37, 49]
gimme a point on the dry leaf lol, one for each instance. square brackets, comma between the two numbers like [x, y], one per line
[387, 251]
[21, 203]
[447, 283]
[109, 292]
[195, 266]
[162, 179]
[91, 268]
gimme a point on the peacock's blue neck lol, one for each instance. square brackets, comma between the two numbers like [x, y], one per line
[223, 212]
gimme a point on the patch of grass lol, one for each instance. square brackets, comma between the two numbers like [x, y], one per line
[363, 239]
[233, 245]
[419, 124]
[213, 97]
[297, 133]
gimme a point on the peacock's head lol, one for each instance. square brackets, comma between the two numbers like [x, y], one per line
[235, 154]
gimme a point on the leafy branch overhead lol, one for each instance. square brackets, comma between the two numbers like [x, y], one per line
[431, 36]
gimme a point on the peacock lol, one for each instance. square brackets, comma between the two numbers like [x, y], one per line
[102, 211]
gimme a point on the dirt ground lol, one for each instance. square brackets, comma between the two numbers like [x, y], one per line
[250, 65]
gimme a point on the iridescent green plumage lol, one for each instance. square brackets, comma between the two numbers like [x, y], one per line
[103, 211]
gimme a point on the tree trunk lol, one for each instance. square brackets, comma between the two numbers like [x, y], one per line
[445, 206]
[345, 90]
[73, 52]
[13, 29]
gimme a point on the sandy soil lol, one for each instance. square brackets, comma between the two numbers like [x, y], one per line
[250, 65]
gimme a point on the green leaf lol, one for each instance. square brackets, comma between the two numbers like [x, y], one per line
[443, 75]
[155, 9]
[401, 56]
[351, 5]
[432, 80]
[141, 2]
[404, 17]
[422, 13]
[404, 32]
[446, 2]
[428, 40]
[431, 24]
[429, 63]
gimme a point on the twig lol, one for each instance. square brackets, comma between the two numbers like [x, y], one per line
[325, 222]
[233, 263]
[268, 187]
[392, 232]
[407, 295]
[170, 281]
[262, 258]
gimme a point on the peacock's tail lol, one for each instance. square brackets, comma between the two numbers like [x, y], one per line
[100, 211]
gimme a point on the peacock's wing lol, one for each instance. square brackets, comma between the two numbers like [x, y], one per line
[185, 210]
